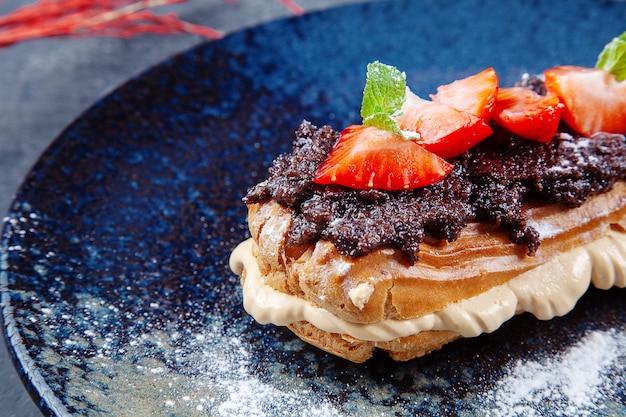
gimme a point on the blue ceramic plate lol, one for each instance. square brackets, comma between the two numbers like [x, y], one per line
[117, 297]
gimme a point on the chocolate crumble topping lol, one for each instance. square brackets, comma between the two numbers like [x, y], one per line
[489, 183]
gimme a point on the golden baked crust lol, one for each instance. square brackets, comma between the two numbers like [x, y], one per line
[355, 350]
[447, 272]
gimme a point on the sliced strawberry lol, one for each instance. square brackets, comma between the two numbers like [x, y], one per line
[444, 130]
[594, 100]
[528, 114]
[367, 157]
[475, 94]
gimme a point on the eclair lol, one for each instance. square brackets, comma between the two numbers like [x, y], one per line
[438, 219]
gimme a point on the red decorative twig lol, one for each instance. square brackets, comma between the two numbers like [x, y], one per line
[293, 6]
[82, 18]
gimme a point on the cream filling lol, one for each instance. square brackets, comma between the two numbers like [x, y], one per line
[549, 290]
[361, 294]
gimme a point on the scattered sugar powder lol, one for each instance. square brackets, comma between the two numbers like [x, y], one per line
[228, 363]
[211, 370]
[571, 383]
[209, 374]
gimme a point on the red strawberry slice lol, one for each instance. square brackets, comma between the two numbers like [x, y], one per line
[594, 100]
[444, 130]
[368, 157]
[475, 94]
[528, 114]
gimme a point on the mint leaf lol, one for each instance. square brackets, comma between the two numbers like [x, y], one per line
[383, 95]
[383, 121]
[613, 57]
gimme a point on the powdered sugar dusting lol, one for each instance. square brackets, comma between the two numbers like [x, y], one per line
[571, 383]
[179, 368]
[228, 368]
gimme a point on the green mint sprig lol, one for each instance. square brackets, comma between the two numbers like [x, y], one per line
[613, 57]
[383, 96]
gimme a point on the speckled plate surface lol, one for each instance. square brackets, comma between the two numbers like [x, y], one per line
[116, 293]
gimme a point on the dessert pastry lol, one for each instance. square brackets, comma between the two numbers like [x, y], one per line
[443, 218]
